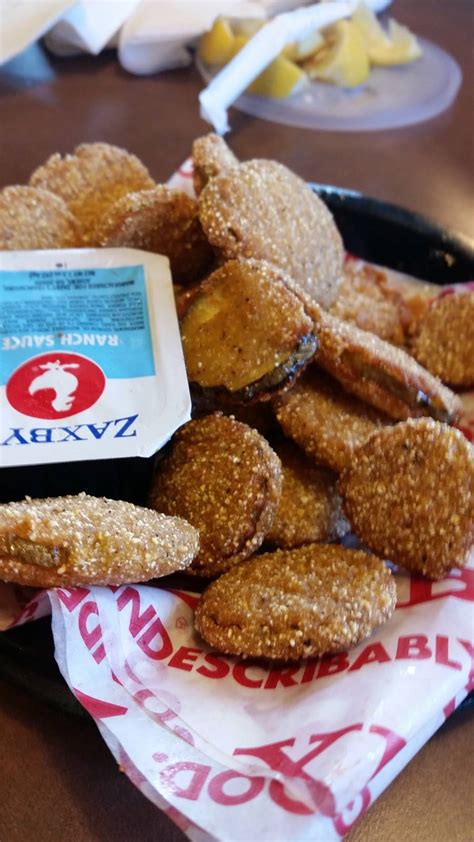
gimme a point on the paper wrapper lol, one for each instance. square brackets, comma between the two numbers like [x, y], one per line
[234, 750]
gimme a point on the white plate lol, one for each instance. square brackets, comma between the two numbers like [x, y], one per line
[392, 97]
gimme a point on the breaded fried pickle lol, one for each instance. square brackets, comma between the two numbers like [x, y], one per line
[92, 179]
[211, 156]
[310, 506]
[381, 374]
[32, 218]
[294, 604]
[365, 299]
[163, 221]
[325, 421]
[409, 495]
[225, 479]
[445, 340]
[261, 209]
[246, 333]
[90, 540]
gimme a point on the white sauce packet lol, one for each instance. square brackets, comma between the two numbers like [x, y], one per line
[91, 364]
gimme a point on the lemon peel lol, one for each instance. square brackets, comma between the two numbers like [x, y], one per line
[343, 60]
[397, 46]
[278, 80]
[303, 49]
[216, 46]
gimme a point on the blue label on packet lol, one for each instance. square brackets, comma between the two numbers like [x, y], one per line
[100, 313]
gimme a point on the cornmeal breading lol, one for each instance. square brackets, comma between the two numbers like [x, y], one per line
[294, 604]
[261, 209]
[33, 218]
[409, 495]
[162, 221]
[444, 343]
[90, 180]
[225, 479]
[90, 540]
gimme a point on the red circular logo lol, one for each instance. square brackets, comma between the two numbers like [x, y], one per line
[55, 385]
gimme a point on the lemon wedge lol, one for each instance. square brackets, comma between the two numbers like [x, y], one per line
[278, 80]
[343, 60]
[303, 49]
[217, 45]
[398, 46]
[246, 26]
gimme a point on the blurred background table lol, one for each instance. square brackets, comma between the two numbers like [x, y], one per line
[58, 779]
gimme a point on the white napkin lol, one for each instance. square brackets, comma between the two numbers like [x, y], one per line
[22, 22]
[90, 26]
[156, 36]
[151, 35]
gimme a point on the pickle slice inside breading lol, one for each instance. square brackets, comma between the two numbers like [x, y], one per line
[381, 374]
[246, 333]
[412, 396]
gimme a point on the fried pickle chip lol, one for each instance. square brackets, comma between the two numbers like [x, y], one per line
[261, 209]
[85, 540]
[32, 218]
[445, 340]
[225, 479]
[246, 333]
[409, 494]
[327, 422]
[211, 156]
[294, 604]
[381, 374]
[91, 180]
[310, 506]
[163, 221]
[365, 299]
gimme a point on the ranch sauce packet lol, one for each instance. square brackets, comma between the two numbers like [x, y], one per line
[91, 364]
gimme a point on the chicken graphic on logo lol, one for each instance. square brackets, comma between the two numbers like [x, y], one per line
[55, 385]
[63, 384]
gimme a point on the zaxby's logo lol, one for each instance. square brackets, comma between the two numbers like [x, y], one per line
[55, 385]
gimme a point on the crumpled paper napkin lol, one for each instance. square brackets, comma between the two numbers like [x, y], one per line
[151, 35]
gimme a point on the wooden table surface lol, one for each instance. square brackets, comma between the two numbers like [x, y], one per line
[58, 779]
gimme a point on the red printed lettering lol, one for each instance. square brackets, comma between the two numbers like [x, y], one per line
[449, 708]
[220, 667]
[470, 651]
[413, 648]
[309, 671]
[240, 674]
[278, 760]
[281, 676]
[442, 653]
[458, 583]
[254, 787]
[332, 665]
[469, 647]
[347, 818]
[91, 637]
[393, 744]
[373, 654]
[156, 630]
[137, 621]
[199, 773]
[184, 658]
[72, 598]
[99, 708]
[146, 699]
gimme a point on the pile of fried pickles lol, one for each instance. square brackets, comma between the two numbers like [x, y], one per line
[325, 404]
